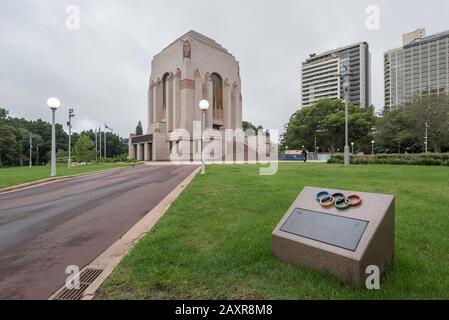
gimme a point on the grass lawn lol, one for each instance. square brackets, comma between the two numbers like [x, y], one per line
[17, 175]
[215, 240]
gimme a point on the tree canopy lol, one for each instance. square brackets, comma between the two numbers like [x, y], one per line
[84, 150]
[325, 121]
[15, 140]
[247, 127]
[400, 129]
[404, 128]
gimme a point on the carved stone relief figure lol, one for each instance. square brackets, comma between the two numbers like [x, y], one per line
[197, 73]
[187, 49]
[178, 73]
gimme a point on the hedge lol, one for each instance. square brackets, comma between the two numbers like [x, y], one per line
[117, 158]
[419, 159]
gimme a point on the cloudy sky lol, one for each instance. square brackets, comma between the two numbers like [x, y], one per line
[102, 69]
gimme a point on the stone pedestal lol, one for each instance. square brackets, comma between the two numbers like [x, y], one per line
[341, 242]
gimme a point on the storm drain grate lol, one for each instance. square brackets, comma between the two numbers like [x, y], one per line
[87, 276]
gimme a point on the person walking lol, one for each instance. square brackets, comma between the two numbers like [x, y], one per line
[304, 154]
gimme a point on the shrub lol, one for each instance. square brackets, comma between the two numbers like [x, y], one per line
[419, 159]
[62, 156]
[118, 158]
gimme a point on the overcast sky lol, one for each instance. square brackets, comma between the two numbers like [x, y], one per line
[102, 69]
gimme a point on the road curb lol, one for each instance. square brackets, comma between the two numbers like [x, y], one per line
[54, 179]
[111, 257]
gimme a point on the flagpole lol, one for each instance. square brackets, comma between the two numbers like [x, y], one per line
[99, 137]
[96, 145]
[105, 156]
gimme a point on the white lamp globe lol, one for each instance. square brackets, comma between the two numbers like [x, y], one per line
[204, 104]
[53, 103]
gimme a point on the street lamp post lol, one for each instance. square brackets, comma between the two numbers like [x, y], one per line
[346, 90]
[104, 142]
[318, 130]
[204, 105]
[372, 147]
[99, 138]
[96, 145]
[345, 76]
[427, 136]
[69, 124]
[31, 151]
[352, 146]
[54, 104]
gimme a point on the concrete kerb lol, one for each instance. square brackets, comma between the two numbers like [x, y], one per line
[111, 257]
[31, 184]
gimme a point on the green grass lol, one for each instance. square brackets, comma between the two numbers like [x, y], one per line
[215, 240]
[17, 175]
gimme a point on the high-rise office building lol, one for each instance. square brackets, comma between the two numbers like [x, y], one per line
[418, 68]
[321, 75]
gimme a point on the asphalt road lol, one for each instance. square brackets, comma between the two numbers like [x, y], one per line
[45, 228]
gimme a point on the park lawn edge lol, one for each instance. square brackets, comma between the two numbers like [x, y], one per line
[179, 258]
[28, 182]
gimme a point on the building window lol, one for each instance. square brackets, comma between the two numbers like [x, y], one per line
[164, 90]
[217, 84]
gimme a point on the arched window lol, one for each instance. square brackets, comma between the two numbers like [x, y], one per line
[217, 91]
[164, 90]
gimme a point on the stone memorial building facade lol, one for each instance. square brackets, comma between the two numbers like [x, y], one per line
[192, 68]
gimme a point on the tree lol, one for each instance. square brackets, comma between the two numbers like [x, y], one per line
[62, 156]
[433, 111]
[248, 127]
[41, 128]
[7, 144]
[15, 137]
[84, 150]
[139, 130]
[3, 115]
[325, 122]
[404, 128]
[395, 132]
[8, 140]
[23, 138]
[115, 145]
[37, 145]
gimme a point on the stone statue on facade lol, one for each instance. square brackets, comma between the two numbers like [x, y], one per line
[187, 49]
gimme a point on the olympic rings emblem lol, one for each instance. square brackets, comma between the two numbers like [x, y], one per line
[338, 200]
